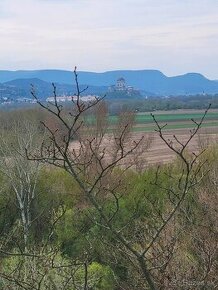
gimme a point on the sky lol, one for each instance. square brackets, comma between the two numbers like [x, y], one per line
[174, 36]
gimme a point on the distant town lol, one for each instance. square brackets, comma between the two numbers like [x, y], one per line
[64, 98]
[10, 94]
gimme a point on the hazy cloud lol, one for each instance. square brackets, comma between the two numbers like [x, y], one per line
[174, 36]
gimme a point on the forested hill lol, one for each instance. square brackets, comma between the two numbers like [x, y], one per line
[21, 88]
[145, 80]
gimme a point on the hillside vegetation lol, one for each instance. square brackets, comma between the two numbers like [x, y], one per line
[77, 212]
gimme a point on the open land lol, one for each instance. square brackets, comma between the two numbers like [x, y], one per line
[179, 123]
[158, 152]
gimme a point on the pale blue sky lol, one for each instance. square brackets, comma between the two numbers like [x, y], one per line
[175, 36]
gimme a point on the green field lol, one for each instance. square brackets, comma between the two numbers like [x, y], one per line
[173, 120]
[168, 117]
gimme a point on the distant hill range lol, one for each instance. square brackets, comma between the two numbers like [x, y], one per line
[149, 82]
[21, 88]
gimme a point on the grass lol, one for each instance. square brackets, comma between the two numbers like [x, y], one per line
[146, 117]
[174, 120]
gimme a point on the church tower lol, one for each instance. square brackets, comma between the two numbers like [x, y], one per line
[121, 84]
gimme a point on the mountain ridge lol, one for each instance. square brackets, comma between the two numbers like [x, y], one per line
[153, 81]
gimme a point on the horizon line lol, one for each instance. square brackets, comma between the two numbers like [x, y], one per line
[101, 72]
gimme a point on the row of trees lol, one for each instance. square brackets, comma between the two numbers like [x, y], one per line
[78, 212]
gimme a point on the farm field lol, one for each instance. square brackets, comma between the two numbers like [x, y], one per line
[158, 152]
[179, 119]
[178, 123]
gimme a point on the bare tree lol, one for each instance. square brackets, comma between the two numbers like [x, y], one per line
[94, 169]
[21, 173]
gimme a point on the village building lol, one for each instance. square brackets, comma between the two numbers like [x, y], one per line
[64, 98]
[121, 86]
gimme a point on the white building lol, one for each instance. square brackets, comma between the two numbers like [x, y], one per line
[88, 98]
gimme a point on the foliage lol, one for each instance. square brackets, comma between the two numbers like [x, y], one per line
[83, 239]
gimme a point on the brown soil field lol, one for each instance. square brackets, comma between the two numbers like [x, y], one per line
[153, 150]
[158, 152]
